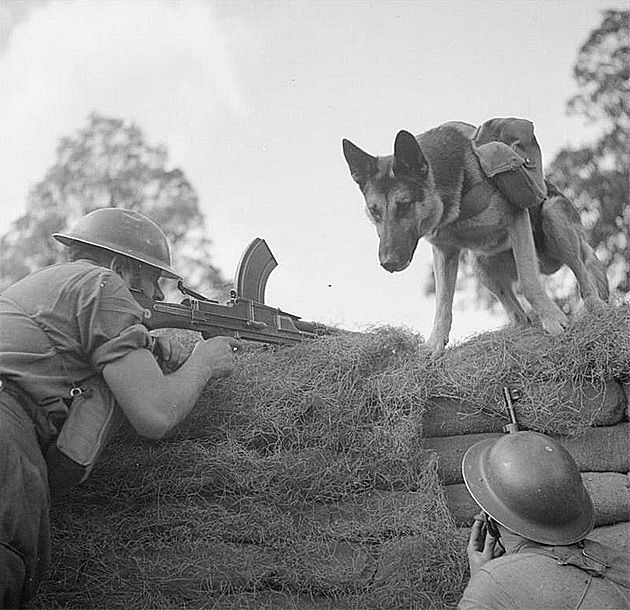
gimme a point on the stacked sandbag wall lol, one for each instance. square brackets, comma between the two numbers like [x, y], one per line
[602, 453]
[311, 474]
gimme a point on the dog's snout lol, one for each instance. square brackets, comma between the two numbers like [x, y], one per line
[390, 265]
[393, 263]
[395, 254]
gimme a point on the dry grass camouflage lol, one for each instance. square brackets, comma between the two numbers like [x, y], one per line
[304, 480]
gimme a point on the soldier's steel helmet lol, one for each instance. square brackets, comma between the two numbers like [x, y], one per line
[123, 232]
[530, 484]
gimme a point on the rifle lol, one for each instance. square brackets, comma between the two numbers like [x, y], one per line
[244, 316]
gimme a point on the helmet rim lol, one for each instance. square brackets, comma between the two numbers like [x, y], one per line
[86, 230]
[478, 481]
[67, 240]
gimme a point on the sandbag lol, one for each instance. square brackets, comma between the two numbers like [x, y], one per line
[219, 565]
[450, 417]
[605, 408]
[610, 492]
[369, 539]
[600, 406]
[605, 449]
[332, 564]
[450, 451]
[377, 509]
[398, 559]
[617, 535]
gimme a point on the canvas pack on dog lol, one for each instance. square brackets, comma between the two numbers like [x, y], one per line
[479, 189]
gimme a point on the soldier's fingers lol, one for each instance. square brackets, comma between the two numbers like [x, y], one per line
[488, 545]
[473, 541]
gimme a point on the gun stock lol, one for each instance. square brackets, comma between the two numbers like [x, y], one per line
[244, 316]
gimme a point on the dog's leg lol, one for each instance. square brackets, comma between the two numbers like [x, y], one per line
[565, 241]
[596, 269]
[445, 263]
[498, 274]
[520, 231]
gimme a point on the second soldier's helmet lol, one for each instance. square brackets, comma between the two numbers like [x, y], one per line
[124, 232]
[530, 484]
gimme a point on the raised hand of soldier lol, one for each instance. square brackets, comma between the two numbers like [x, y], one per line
[482, 546]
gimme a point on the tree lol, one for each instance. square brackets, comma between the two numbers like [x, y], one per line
[110, 164]
[596, 177]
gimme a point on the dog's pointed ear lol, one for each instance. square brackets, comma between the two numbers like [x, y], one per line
[362, 165]
[409, 160]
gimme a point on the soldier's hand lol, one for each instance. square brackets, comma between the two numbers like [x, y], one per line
[218, 352]
[170, 352]
[482, 547]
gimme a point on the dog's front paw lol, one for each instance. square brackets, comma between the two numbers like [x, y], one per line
[554, 323]
[436, 345]
[423, 352]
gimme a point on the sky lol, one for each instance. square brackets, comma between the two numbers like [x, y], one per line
[252, 100]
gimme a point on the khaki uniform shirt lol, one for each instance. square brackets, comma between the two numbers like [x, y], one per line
[524, 579]
[62, 325]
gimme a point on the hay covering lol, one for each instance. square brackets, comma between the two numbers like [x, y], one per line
[563, 379]
[302, 480]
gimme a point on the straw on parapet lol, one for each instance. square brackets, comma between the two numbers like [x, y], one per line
[304, 474]
[269, 485]
[557, 376]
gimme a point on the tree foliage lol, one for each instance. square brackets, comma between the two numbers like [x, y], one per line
[110, 164]
[596, 176]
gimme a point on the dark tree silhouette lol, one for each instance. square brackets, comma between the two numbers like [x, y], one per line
[596, 177]
[110, 163]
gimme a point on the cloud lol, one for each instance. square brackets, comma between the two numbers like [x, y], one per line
[167, 65]
[12, 14]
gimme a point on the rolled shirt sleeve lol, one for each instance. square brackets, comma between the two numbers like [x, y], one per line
[133, 337]
[109, 321]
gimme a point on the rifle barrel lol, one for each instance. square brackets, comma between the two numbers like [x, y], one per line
[312, 327]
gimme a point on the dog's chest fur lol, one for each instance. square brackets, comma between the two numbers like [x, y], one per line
[455, 170]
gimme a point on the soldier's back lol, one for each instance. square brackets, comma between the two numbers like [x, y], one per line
[530, 579]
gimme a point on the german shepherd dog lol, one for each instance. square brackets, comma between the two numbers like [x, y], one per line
[418, 192]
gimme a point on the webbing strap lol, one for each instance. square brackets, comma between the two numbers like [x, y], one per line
[578, 558]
